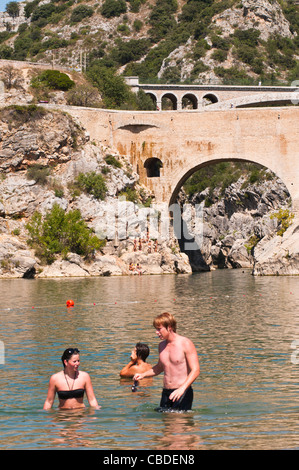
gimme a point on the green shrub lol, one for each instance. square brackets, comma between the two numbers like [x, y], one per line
[284, 218]
[234, 75]
[219, 56]
[38, 173]
[112, 8]
[111, 160]
[252, 242]
[13, 9]
[43, 12]
[137, 25]
[30, 7]
[219, 175]
[130, 194]
[53, 79]
[19, 114]
[81, 12]
[162, 18]
[60, 233]
[246, 37]
[132, 50]
[93, 184]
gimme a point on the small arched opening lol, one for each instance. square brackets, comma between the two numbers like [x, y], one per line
[153, 166]
[169, 102]
[209, 98]
[153, 98]
[189, 101]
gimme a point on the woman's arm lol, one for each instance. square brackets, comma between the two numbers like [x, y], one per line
[51, 394]
[90, 393]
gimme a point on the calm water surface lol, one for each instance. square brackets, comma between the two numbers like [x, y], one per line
[243, 327]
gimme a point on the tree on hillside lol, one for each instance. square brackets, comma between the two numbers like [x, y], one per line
[11, 77]
[84, 95]
[13, 9]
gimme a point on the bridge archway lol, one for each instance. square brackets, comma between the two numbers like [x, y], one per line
[184, 177]
[169, 101]
[210, 98]
[189, 101]
[153, 97]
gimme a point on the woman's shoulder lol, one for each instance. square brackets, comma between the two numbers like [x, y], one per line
[56, 377]
[83, 375]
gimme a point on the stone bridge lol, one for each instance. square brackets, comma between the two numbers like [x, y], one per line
[178, 97]
[166, 147]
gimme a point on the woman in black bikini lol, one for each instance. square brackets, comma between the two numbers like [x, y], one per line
[70, 384]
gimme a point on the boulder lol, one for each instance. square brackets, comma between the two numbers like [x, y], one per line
[278, 255]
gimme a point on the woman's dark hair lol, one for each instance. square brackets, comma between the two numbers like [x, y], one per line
[68, 354]
[142, 351]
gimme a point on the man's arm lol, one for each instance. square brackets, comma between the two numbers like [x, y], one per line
[193, 366]
[129, 370]
[156, 370]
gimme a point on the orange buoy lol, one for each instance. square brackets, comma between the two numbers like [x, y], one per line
[70, 303]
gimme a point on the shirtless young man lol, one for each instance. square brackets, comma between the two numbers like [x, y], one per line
[138, 362]
[178, 360]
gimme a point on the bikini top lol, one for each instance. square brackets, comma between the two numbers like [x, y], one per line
[65, 394]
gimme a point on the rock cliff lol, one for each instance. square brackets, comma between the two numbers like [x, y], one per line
[31, 136]
[240, 229]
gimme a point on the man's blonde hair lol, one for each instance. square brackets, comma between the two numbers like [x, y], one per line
[165, 319]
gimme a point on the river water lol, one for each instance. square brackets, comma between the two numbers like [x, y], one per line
[243, 327]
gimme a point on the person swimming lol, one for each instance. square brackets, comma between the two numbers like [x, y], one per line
[70, 384]
[137, 362]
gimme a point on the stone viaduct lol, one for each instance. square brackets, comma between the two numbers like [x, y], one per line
[166, 147]
[178, 97]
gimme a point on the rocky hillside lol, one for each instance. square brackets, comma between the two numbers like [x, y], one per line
[42, 155]
[239, 41]
[239, 218]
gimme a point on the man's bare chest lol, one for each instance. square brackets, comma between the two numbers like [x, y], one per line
[172, 355]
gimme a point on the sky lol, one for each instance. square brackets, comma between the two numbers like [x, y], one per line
[3, 4]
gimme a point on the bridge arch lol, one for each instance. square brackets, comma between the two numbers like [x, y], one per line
[189, 100]
[185, 175]
[153, 97]
[168, 98]
[210, 98]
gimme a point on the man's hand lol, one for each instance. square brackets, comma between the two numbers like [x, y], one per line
[177, 394]
[134, 355]
[138, 377]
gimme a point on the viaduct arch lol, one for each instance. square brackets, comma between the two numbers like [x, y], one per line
[183, 141]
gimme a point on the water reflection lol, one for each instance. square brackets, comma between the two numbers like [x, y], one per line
[179, 431]
[71, 428]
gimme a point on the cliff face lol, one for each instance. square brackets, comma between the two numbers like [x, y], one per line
[53, 141]
[240, 225]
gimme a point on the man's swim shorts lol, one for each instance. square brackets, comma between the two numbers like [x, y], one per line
[183, 404]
